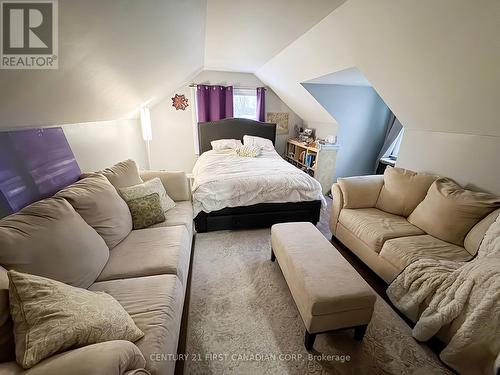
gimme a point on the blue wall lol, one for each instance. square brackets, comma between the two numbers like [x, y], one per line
[362, 117]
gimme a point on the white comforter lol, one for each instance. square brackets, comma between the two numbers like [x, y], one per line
[227, 180]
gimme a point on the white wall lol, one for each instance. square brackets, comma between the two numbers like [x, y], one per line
[434, 63]
[172, 147]
[471, 160]
[113, 56]
[98, 145]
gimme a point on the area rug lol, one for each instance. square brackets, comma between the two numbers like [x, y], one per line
[242, 320]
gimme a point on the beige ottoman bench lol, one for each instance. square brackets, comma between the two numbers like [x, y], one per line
[328, 292]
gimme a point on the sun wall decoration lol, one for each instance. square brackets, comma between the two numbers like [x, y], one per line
[179, 102]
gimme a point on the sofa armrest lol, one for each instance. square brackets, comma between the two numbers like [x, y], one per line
[361, 191]
[337, 205]
[111, 357]
[176, 183]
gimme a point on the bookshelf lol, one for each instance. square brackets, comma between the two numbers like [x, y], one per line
[316, 160]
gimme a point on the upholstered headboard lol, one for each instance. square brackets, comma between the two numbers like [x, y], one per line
[233, 128]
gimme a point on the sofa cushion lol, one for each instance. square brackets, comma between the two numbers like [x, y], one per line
[149, 252]
[123, 174]
[50, 317]
[149, 187]
[175, 183]
[49, 238]
[374, 227]
[400, 252]
[97, 201]
[403, 190]
[6, 328]
[449, 212]
[181, 214]
[146, 211]
[476, 234]
[155, 303]
[115, 357]
[361, 191]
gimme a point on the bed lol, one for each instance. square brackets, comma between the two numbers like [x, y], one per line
[233, 192]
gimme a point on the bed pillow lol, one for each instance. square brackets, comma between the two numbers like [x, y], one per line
[146, 188]
[146, 211]
[264, 143]
[248, 151]
[97, 201]
[225, 144]
[51, 317]
[448, 211]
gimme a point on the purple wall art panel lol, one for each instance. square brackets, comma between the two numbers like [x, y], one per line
[34, 164]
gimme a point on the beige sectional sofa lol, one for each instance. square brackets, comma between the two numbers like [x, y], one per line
[146, 272]
[388, 242]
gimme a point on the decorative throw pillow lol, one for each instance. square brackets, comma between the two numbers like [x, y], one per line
[263, 143]
[403, 190]
[98, 202]
[224, 144]
[123, 174]
[146, 211]
[49, 238]
[248, 151]
[51, 317]
[448, 211]
[149, 187]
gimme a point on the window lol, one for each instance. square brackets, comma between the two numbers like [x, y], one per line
[393, 150]
[245, 103]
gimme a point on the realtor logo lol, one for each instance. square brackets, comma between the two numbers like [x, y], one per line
[29, 37]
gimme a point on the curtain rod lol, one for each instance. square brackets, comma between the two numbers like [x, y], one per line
[236, 87]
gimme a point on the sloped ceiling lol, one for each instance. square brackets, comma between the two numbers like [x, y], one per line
[435, 63]
[113, 56]
[242, 35]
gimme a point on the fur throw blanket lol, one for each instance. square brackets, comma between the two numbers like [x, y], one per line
[464, 297]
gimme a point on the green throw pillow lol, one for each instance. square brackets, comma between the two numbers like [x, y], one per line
[146, 211]
[51, 317]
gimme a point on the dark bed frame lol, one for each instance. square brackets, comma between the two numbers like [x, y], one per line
[259, 215]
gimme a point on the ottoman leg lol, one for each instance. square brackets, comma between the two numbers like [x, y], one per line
[309, 340]
[273, 257]
[359, 332]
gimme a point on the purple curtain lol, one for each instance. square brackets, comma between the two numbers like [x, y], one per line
[261, 104]
[214, 102]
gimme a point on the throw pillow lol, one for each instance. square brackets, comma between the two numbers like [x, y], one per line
[264, 143]
[448, 211]
[98, 202]
[224, 144]
[149, 187]
[248, 151]
[123, 174]
[146, 211]
[403, 190]
[49, 238]
[51, 317]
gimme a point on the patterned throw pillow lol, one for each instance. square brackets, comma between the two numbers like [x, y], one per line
[51, 317]
[249, 151]
[146, 211]
[149, 187]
